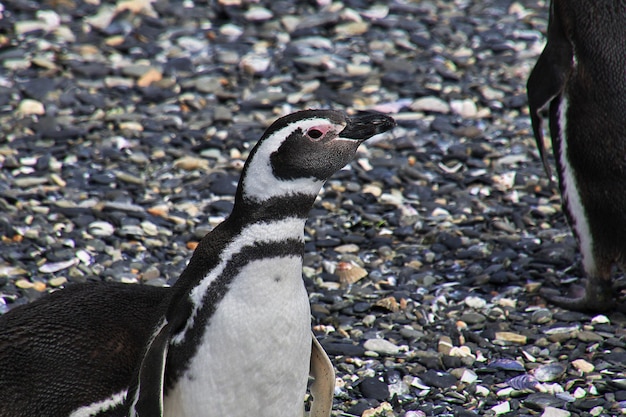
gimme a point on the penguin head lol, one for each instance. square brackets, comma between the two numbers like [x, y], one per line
[300, 151]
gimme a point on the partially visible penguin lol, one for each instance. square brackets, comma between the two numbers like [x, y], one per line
[581, 77]
[232, 337]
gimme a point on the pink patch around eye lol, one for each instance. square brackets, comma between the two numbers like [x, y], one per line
[317, 132]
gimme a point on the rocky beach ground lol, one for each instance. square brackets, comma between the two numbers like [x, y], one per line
[124, 127]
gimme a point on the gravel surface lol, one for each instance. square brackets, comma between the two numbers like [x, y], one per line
[125, 126]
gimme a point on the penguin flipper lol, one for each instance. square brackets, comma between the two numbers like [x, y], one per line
[323, 387]
[548, 78]
[147, 390]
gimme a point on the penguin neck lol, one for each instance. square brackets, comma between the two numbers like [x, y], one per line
[250, 210]
[270, 228]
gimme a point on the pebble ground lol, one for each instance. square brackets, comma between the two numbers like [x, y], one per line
[124, 126]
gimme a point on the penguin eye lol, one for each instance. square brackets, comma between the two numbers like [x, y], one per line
[314, 133]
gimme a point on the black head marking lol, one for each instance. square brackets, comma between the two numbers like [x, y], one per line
[320, 150]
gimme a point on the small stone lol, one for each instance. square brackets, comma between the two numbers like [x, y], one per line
[84, 256]
[562, 330]
[347, 248]
[475, 302]
[461, 352]
[190, 163]
[389, 303]
[430, 104]
[473, 318]
[482, 391]
[352, 28]
[10, 271]
[445, 345]
[29, 107]
[254, 64]
[149, 228]
[358, 70]
[101, 229]
[549, 372]
[258, 14]
[555, 412]
[588, 336]
[381, 411]
[502, 408]
[596, 411]
[541, 316]
[541, 401]
[57, 281]
[372, 189]
[369, 320]
[600, 319]
[438, 379]
[151, 273]
[464, 108]
[132, 126]
[222, 114]
[511, 337]
[381, 346]
[506, 364]
[583, 366]
[374, 388]
[151, 76]
[378, 11]
[469, 376]
[52, 267]
[131, 230]
[24, 284]
[56, 179]
[27, 182]
[417, 413]
[135, 6]
[579, 393]
[231, 30]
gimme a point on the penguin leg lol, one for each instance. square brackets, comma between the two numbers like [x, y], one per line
[323, 387]
[597, 297]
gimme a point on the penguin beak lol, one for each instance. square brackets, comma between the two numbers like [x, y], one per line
[364, 124]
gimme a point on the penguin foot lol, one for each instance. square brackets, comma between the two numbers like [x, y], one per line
[598, 296]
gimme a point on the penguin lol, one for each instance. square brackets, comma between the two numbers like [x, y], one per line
[580, 77]
[231, 337]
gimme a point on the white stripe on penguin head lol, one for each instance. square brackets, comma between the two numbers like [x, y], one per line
[261, 184]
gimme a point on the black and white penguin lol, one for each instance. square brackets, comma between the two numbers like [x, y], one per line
[581, 76]
[232, 337]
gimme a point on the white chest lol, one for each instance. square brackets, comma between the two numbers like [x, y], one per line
[254, 357]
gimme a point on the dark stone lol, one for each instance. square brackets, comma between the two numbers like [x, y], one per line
[343, 349]
[360, 407]
[178, 65]
[438, 379]
[361, 307]
[499, 278]
[327, 243]
[452, 242]
[620, 395]
[539, 401]
[589, 403]
[104, 178]
[223, 184]
[450, 362]
[374, 388]
[617, 358]
[570, 316]
[38, 88]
